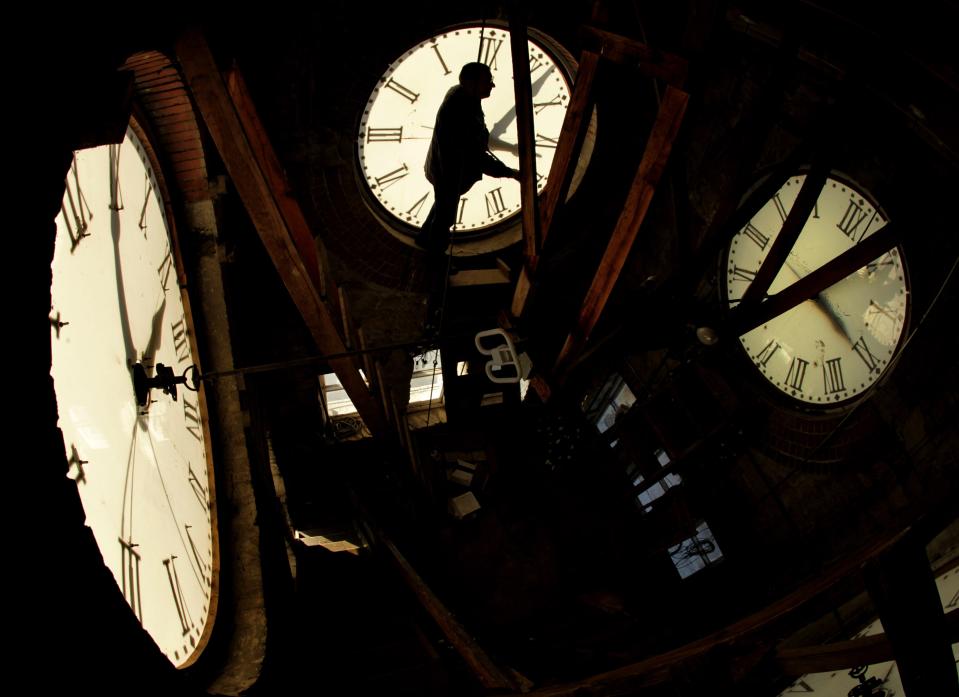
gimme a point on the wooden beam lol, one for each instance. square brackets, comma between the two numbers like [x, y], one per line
[519, 44]
[844, 655]
[649, 61]
[903, 589]
[742, 320]
[244, 165]
[572, 135]
[276, 177]
[651, 168]
[478, 277]
[742, 636]
[791, 229]
[482, 666]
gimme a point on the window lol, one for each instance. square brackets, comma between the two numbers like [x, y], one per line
[613, 399]
[696, 553]
[646, 497]
[338, 402]
[426, 384]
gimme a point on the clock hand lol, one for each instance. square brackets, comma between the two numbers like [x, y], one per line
[149, 351]
[500, 127]
[821, 300]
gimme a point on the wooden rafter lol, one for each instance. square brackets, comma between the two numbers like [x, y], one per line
[247, 157]
[525, 133]
[650, 170]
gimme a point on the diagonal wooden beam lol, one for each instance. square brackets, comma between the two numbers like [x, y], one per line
[519, 44]
[246, 168]
[791, 229]
[650, 170]
[743, 319]
[650, 62]
[573, 133]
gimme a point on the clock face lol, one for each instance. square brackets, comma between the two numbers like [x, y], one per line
[834, 347]
[397, 124]
[143, 472]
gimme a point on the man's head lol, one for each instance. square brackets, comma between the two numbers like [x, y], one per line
[477, 79]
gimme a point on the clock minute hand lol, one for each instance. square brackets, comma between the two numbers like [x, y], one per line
[822, 302]
[499, 128]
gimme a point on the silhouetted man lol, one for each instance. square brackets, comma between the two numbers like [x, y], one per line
[457, 159]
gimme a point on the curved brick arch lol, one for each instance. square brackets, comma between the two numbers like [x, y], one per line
[163, 95]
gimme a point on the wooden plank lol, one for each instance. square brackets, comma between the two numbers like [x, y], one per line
[844, 655]
[771, 621]
[276, 177]
[482, 666]
[650, 62]
[575, 124]
[371, 374]
[519, 44]
[478, 277]
[651, 168]
[260, 199]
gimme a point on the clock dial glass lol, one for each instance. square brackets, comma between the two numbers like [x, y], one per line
[397, 124]
[833, 347]
[142, 471]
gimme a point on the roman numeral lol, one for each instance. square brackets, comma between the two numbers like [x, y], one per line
[489, 47]
[439, 57]
[384, 135]
[165, 269]
[780, 207]
[494, 202]
[535, 63]
[186, 622]
[764, 356]
[80, 213]
[130, 577]
[390, 178]
[201, 565]
[414, 210]
[862, 350]
[876, 313]
[797, 373]
[539, 107]
[885, 260]
[545, 141]
[403, 91]
[75, 461]
[756, 236]
[800, 684]
[739, 274]
[832, 376]
[181, 342]
[852, 219]
[462, 209]
[199, 489]
[191, 418]
[116, 195]
[147, 189]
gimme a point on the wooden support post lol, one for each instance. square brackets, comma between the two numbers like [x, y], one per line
[245, 165]
[651, 168]
[575, 124]
[519, 44]
[904, 591]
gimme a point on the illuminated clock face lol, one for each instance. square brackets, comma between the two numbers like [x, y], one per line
[142, 472]
[831, 348]
[397, 124]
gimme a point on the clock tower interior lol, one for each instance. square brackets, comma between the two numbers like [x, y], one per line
[584, 483]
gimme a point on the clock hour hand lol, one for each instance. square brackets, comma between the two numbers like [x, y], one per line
[156, 329]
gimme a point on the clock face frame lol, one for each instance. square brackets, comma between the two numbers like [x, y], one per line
[397, 124]
[143, 473]
[828, 351]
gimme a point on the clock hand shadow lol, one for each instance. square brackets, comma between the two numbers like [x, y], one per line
[156, 330]
[499, 128]
[131, 351]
